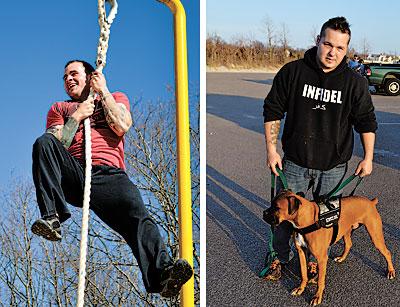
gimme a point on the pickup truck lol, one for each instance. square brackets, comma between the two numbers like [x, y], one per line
[384, 77]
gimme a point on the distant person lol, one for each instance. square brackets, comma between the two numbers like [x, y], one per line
[58, 174]
[361, 68]
[353, 63]
[323, 100]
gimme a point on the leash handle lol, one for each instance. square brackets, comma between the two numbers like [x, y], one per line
[281, 177]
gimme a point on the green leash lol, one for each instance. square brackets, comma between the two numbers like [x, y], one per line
[344, 183]
[272, 254]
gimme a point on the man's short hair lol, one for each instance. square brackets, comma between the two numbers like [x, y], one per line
[337, 24]
[88, 67]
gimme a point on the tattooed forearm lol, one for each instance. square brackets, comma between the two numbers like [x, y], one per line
[275, 127]
[65, 133]
[272, 132]
[56, 131]
[117, 116]
[68, 132]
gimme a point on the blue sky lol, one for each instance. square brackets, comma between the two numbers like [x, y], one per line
[376, 21]
[39, 37]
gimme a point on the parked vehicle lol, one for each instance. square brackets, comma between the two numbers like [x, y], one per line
[384, 77]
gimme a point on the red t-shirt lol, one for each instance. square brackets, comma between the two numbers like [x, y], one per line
[107, 147]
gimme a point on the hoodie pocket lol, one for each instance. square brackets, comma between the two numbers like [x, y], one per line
[312, 152]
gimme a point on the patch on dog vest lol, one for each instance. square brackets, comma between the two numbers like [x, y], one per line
[329, 212]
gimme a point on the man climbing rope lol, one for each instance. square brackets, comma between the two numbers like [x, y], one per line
[58, 174]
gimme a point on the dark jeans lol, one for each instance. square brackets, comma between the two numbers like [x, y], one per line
[298, 179]
[59, 178]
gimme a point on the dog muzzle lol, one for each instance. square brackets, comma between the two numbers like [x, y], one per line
[269, 217]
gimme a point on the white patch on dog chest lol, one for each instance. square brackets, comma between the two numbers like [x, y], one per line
[300, 240]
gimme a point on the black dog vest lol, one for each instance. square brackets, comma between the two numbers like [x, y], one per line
[329, 212]
[328, 216]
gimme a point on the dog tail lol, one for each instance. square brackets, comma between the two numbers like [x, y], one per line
[374, 201]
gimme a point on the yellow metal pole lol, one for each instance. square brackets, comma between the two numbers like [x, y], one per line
[183, 145]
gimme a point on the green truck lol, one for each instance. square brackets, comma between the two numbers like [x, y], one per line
[384, 77]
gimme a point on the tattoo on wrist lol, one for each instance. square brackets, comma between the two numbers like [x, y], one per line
[275, 127]
[105, 95]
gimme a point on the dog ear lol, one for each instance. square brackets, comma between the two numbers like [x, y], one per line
[301, 194]
[294, 204]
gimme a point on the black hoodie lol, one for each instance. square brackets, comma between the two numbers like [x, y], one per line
[321, 110]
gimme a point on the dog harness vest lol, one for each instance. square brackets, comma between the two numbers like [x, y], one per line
[329, 212]
[328, 216]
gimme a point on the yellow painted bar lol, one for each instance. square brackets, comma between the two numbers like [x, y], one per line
[183, 145]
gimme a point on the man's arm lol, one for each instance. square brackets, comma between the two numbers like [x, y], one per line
[65, 133]
[118, 117]
[271, 139]
[364, 168]
[275, 107]
[364, 121]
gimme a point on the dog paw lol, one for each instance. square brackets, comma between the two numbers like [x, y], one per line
[391, 274]
[316, 300]
[339, 259]
[297, 291]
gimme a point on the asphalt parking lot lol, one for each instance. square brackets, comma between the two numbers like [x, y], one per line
[238, 185]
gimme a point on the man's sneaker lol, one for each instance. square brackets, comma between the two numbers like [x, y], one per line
[174, 277]
[48, 228]
[275, 271]
[312, 272]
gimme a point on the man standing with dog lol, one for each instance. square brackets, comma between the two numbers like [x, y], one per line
[323, 100]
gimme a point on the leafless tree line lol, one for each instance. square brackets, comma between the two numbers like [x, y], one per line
[272, 51]
[247, 53]
[36, 272]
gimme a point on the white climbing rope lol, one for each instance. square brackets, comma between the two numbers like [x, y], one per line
[105, 24]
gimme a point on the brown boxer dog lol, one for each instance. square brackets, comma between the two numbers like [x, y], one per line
[355, 210]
